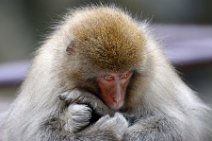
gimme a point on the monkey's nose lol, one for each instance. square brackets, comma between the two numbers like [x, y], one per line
[114, 99]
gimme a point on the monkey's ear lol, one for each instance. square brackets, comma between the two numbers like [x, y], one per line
[70, 48]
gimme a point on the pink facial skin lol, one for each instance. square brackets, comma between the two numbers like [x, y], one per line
[113, 88]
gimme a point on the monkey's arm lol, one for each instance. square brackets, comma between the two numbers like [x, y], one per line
[154, 128]
[158, 127]
[83, 97]
[72, 123]
[106, 129]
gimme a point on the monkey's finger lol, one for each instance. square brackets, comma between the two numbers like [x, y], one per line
[65, 96]
[68, 100]
[121, 120]
[117, 122]
[102, 120]
[75, 100]
[121, 124]
[62, 97]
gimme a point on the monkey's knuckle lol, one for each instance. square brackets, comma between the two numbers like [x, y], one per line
[120, 120]
[85, 115]
[85, 108]
[75, 93]
[102, 120]
[80, 111]
[81, 119]
[77, 107]
[70, 95]
[118, 124]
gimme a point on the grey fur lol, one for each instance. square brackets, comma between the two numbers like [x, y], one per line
[50, 108]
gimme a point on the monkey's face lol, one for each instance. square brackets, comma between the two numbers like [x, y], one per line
[113, 88]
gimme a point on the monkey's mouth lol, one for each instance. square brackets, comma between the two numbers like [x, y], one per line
[117, 105]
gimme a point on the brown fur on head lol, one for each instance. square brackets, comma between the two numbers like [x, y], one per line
[104, 40]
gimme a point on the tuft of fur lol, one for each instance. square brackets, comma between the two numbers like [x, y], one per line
[103, 37]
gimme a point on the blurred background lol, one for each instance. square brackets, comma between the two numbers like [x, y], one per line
[183, 27]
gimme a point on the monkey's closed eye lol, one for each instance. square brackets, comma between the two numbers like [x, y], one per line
[125, 75]
[108, 77]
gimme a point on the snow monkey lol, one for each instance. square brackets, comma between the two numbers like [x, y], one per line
[101, 77]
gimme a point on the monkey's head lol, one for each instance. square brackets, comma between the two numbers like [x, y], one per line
[109, 46]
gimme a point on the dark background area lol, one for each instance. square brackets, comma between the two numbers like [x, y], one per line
[25, 23]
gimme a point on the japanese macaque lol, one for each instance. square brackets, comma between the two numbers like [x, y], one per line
[101, 77]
